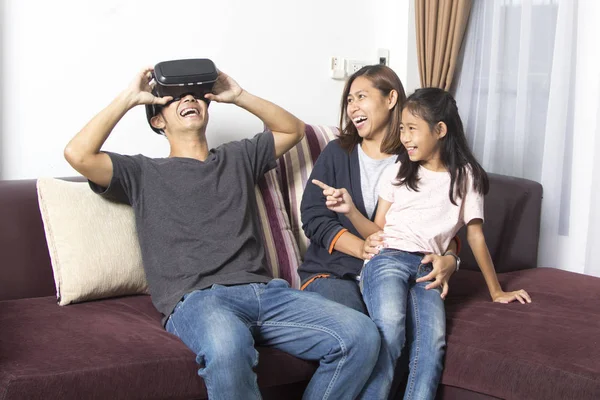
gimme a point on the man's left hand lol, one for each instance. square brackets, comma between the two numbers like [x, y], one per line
[225, 89]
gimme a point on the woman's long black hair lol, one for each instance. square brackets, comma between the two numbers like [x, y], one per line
[435, 105]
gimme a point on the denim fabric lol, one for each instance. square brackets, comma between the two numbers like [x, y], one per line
[343, 291]
[222, 325]
[404, 311]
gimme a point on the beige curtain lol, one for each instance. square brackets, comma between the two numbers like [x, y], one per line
[440, 26]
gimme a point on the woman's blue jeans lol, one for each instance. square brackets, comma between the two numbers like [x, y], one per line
[223, 324]
[404, 312]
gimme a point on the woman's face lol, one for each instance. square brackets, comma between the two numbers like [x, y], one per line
[368, 109]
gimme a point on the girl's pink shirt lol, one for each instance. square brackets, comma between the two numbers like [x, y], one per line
[426, 221]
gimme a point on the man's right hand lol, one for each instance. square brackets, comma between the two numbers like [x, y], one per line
[139, 91]
[83, 151]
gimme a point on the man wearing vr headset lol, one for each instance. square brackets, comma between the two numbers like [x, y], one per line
[197, 222]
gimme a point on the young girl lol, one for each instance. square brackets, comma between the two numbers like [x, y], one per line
[424, 199]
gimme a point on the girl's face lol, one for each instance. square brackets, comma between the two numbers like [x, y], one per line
[421, 143]
[369, 109]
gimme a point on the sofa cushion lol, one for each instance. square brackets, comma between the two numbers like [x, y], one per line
[281, 249]
[94, 248]
[548, 349]
[295, 167]
[92, 242]
[108, 349]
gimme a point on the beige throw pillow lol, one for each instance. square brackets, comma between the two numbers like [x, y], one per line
[92, 242]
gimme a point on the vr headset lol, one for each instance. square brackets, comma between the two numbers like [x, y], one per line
[178, 78]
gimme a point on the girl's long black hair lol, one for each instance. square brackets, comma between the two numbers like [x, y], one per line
[435, 105]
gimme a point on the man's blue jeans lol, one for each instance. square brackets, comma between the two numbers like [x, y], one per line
[222, 324]
[390, 292]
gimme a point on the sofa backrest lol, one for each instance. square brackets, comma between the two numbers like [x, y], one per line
[512, 206]
[25, 265]
[513, 209]
[25, 269]
[294, 168]
[512, 226]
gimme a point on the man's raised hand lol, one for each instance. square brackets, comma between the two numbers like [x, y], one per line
[225, 89]
[139, 90]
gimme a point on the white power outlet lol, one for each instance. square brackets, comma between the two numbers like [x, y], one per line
[337, 68]
[354, 65]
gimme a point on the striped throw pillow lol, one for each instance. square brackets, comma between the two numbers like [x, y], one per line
[281, 249]
[295, 167]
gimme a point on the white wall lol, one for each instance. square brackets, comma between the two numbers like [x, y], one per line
[60, 67]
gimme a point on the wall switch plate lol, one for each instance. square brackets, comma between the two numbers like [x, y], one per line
[383, 57]
[337, 68]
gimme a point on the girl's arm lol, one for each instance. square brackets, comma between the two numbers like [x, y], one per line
[477, 243]
[365, 226]
[383, 207]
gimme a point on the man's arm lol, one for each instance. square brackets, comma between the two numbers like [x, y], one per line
[83, 151]
[287, 129]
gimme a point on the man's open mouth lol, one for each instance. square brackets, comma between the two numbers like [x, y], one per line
[186, 112]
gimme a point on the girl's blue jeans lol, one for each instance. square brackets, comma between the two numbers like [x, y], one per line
[404, 312]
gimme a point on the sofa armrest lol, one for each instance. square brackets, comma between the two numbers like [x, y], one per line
[512, 224]
[25, 268]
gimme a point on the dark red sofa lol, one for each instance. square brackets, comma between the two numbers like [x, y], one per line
[117, 349]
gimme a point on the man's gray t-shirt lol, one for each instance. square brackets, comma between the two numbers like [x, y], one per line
[197, 221]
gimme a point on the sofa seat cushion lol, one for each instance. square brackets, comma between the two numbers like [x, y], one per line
[549, 349]
[108, 349]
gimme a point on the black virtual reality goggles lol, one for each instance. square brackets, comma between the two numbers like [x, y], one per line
[178, 78]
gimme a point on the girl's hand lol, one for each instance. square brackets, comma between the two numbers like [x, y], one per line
[225, 89]
[337, 200]
[139, 90]
[373, 245]
[507, 297]
[443, 268]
